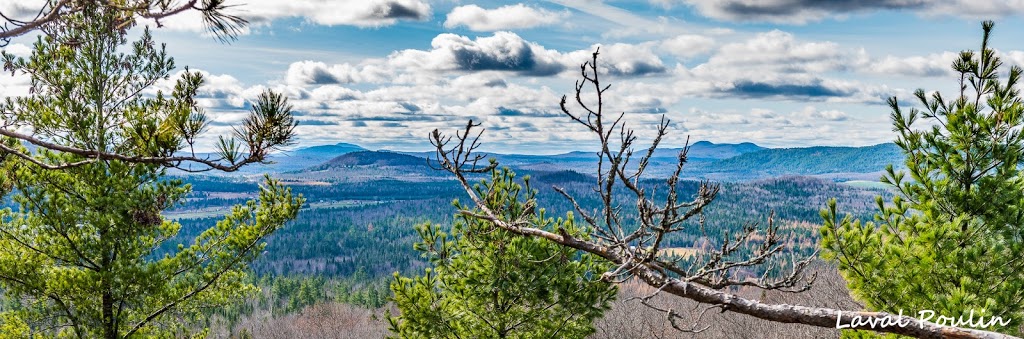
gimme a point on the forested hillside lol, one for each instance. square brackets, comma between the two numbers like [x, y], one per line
[806, 161]
[368, 224]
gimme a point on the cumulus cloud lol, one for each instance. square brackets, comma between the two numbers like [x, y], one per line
[808, 126]
[518, 16]
[792, 11]
[218, 91]
[778, 50]
[480, 80]
[14, 86]
[359, 13]
[814, 89]
[804, 11]
[620, 59]
[22, 9]
[18, 50]
[508, 52]
[503, 51]
[975, 9]
[812, 113]
[1014, 58]
[775, 65]
[687, 45]
[932, 65]
[334, 93]
[362, 13]
[318, 73]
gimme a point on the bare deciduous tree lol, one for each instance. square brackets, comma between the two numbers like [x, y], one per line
[322, 321]
[633, 242]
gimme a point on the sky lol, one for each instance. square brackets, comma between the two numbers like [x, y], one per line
[384, 73]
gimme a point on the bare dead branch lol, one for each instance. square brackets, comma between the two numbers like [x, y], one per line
[634, 248]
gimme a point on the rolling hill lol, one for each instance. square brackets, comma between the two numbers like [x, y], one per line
[369, 165]
[814, 161]
[372, 158]
[328, 151]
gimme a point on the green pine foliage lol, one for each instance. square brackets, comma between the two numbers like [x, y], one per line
[488, 283]
[77, 256]
[951, 239]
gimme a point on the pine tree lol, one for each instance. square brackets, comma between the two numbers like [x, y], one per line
[951, 239]
[87, 253]
[488, 283]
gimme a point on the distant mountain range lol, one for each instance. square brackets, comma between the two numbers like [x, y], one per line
[299, 159]
[706, 160]
[835, 162]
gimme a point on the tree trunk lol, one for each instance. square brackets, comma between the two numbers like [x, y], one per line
[109, 330]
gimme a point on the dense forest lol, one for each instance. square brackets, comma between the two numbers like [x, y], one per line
[352, 236]
[368, 225]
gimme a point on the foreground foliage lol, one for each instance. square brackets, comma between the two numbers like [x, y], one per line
[77, 257]
[488, 283]
[951, 240]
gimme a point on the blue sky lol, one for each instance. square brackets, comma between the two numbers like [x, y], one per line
[779, 73]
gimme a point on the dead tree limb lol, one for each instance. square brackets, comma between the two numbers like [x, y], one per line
[633, 243]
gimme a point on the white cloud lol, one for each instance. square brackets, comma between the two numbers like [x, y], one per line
[329, 93]
[778, 50]
[18, 50]
[359, 13]
[629, 23]
[804, 127]
[313, 72]
[812, 113]
[218, 91]
[805, 11]
[688, 45]
[1014, 58]
[518, 16]
[14, 86]
[503, 51]
[775, 65]
[787, 11]
[619, 59]
[22, 9]
[932, 65]
[975, 9]
[362, 13]
[508, 52]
